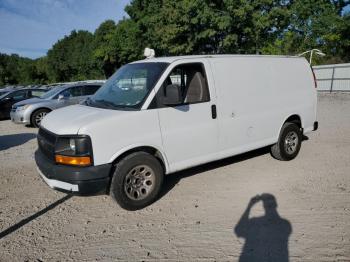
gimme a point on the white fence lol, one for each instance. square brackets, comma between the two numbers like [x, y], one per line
[333, 77]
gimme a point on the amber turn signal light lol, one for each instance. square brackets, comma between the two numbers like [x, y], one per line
[73, 160]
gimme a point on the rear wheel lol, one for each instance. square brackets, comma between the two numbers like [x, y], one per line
[288, 144]
[38, 116]
[137, 180]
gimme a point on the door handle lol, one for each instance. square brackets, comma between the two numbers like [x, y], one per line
[213, 112]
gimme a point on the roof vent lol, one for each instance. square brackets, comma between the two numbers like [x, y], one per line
[149, 53]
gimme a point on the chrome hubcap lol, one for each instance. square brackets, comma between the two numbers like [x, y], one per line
[139, 182]
[291, 142]
[39, 117]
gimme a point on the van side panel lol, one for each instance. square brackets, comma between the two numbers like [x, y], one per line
[296, 79]
[256, 95]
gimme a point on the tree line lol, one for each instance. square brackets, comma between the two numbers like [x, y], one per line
[279, 27]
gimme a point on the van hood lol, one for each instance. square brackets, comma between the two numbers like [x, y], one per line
[31, 101]
[68, 120]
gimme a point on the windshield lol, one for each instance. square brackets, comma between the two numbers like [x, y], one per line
[52, 92]
[3, 93]
[128, 87]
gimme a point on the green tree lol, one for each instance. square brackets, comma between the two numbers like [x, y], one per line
[344, 43]
[128, 42]
[104, 49]
[314, 24]
[15, 70]
[71, 58]
[117, 44]
[200, 27]
[41, 74]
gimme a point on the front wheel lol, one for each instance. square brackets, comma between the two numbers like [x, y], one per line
[288, 144]
[38, 116]
[137, 180]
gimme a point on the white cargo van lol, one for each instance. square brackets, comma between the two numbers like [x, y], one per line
[161, 115]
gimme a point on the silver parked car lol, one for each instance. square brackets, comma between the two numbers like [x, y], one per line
[32, 111]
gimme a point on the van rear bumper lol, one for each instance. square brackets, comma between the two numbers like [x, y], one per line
[77, 180]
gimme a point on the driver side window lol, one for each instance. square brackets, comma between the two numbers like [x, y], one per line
[18, 95]
[66, 93]
[191, 79]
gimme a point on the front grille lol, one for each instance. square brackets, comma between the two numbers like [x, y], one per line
[46, 143]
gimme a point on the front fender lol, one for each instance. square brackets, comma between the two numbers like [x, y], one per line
[140, 145]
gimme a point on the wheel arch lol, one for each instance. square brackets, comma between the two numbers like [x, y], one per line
[294, 118]
[37, 109]
[157, 153]
[40, 108]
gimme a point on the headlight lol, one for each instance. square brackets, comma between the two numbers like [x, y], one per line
[72, 144]
[20, 108]
[75, 150]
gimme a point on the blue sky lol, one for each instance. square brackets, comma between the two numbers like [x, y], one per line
[30, 27]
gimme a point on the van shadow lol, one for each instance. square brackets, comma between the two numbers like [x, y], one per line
[8, 141]
[266, 237]
[171, 180]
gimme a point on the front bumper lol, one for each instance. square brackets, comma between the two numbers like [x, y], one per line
[19, 117]
[77, 180]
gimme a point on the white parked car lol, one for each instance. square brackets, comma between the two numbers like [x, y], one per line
[160, 115]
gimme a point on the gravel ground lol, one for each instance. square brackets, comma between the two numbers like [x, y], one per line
[203, 214]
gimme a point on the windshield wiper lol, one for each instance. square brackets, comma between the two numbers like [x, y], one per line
[106, 103]
[109, 104]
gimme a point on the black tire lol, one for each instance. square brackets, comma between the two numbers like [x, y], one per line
[124, 186]
[34, 118]
[286, 147]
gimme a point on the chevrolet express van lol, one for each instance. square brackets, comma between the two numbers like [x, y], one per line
[160, 115]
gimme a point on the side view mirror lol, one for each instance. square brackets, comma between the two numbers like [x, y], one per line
[64, 95]
[173, 95]
[84, 101]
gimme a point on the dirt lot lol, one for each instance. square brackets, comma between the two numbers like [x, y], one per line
[197, 217]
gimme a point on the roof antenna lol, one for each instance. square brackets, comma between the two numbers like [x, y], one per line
[149, 53]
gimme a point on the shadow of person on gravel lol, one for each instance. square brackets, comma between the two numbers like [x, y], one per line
[266, 237]
[171, 180]
[8, 141]
[27, 220]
